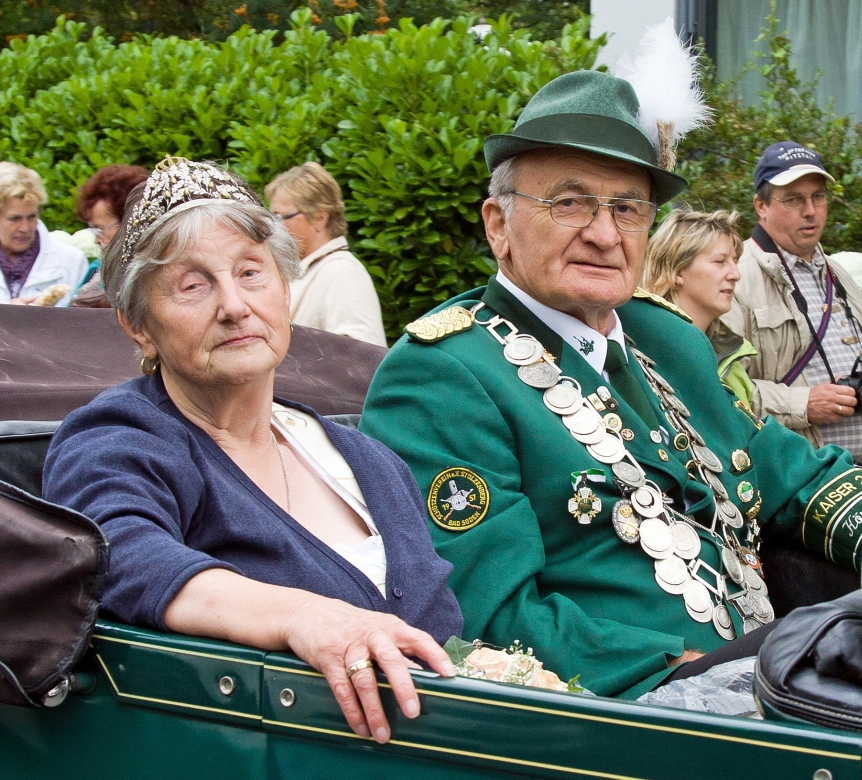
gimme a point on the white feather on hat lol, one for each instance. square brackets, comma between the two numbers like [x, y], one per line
[665, 77]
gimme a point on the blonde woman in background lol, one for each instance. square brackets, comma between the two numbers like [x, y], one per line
[691, 262]
[30, 260]
[334, 291]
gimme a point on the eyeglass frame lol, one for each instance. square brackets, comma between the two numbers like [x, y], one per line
[610, 204]
[285, 217]
[827, 197]
[99, 232]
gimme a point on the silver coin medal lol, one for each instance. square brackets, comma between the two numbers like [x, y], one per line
[585, 424]
[753, 579]
[647, 501]
[715, 484]
[729, 513]
[686, 542]
[521, 350]
[656, 539]
[723, 623]
[707, 457]
[672, 575]
[760, 605]
[732, 565]
[540, 375]
[611, 449]
[629, 475]
[564, 397]
[698, 602]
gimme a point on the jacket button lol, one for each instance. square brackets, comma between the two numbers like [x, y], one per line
[397, 593]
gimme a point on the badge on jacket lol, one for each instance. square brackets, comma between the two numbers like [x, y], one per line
[458, 499]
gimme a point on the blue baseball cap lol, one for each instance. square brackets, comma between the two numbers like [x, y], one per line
[787, 161]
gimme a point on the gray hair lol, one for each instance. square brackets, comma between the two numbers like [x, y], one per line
[171, 236]
[765, 191]
[502, 185]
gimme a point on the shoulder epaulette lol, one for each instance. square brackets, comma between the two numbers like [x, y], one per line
[659, 301]
[441, 324]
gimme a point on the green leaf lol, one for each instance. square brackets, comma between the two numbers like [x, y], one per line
[457, 649]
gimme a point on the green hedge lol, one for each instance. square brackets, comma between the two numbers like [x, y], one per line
[719, 160]
[397, 118]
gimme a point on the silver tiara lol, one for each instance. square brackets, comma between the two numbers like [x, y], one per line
[174, 181]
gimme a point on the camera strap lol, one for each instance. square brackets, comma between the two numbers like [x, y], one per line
[765, 242]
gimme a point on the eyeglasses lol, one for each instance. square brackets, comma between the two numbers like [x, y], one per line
[578, 211]
[285, 217]
[796, 202]
[99, 232]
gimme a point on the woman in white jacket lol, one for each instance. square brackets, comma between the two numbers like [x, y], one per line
[30, 260]
[334, 291]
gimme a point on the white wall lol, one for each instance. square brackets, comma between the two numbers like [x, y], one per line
[627, 20]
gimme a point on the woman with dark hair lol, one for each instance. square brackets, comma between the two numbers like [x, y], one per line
[101, 202]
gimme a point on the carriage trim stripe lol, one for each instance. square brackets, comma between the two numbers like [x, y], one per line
[197, 653]
[456, 752]
[185, 705]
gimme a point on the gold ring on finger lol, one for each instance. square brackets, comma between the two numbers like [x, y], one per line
[358, 667]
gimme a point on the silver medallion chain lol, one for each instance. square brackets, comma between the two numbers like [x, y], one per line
[645, 514]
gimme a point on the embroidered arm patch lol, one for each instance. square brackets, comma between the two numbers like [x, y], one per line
[832, 521]
[458, 499]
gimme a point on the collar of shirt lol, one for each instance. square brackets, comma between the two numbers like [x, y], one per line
[818, 259]
[592, 345]
[340, 242]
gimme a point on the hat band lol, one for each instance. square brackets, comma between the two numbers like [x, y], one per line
[588, 130]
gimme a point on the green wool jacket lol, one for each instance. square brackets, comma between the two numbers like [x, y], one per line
[586, 602]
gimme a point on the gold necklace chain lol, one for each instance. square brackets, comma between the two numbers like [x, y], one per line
[283, 469]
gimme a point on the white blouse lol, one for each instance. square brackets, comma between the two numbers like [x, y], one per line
[308, 440]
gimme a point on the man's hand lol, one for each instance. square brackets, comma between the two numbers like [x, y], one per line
[688, 655]
[830, 403]
[24, 301]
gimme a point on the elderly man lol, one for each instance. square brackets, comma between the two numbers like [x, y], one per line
[596, 488]
[800, 311]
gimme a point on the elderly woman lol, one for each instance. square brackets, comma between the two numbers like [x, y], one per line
[30, 260]
[101, 202]
[691, 262]
[333, 292]
[229, 516]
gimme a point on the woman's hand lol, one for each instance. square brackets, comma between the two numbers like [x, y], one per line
[329, 634]
[332, 635]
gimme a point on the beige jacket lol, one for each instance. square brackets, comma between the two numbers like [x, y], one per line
[765, 313]
[335, 293]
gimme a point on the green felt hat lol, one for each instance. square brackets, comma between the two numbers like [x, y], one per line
[590, 111]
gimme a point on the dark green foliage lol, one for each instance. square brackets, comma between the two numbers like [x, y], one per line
[398, 118]
[545, 18]
[719, 161]
[214, 20]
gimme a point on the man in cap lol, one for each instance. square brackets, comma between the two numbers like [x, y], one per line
[613, 486]
[800, 311]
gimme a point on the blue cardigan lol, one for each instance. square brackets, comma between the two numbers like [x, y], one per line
[173, 504]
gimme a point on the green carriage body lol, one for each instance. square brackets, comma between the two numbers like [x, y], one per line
[179, 708]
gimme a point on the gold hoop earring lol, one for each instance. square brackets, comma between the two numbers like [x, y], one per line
[149, 368]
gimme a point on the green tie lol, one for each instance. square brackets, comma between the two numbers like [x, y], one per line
[626, 384]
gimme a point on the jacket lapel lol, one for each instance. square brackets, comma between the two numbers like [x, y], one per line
[572, 364]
